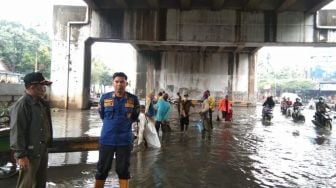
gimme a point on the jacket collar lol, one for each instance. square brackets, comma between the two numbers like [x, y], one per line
[30, 99]
[125, 95]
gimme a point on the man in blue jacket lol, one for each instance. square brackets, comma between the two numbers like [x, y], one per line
[118, 110]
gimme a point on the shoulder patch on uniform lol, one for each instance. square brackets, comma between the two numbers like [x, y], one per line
[129, 103]
[108, 102]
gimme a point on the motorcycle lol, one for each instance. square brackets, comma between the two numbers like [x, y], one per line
[297, 114]
[283, 108]
[323, 120]
[289, 111]
[267, 113]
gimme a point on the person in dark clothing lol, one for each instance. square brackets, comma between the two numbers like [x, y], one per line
[184, 115]
[269, 102]
[178, 102]
[297, 104]
[321, 108]
[31, 132]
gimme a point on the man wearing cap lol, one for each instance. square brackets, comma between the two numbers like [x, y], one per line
[118, 110]
[31, 132]
[184, 115]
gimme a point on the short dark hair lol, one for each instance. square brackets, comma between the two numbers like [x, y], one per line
[165, 96]
[119, 74]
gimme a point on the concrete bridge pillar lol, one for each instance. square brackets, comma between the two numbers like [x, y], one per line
[195, 72]
[69, 73]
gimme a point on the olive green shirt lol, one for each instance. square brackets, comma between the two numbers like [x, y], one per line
[31, 129]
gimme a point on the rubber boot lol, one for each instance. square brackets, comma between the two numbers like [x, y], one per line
[99, 184]
[123, 183]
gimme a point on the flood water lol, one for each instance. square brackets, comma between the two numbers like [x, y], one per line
[242, 153]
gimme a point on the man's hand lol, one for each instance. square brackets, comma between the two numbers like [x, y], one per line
[23, 163]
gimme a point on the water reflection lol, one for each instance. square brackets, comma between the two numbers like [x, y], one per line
[243, 153]
[74, 123]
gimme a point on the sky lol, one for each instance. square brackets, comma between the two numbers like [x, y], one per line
[32, 13]
[119, 57]
[298, 56]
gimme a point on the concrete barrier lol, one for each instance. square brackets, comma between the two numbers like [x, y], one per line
[11, 92]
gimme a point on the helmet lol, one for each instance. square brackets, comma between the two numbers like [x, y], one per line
[321, 99]
[297, 99]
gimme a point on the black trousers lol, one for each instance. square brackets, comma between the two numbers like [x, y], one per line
[122, 164]
[210, 118]
[164, 126]
[184, 122]
[223, 114]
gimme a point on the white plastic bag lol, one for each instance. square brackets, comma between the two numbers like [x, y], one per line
[151, 135]
[141, 128]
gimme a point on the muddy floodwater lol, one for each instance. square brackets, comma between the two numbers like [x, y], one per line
[242, 153]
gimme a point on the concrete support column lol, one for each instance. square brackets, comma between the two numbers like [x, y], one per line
[252, 94]
[231, 62]
[68, 71]
[147, 67]
[243, 78]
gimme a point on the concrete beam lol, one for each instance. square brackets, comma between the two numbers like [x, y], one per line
[315, 7]
[239, 49]
[255, 50]
[217, 4]
[284, 5]
[252, 4]
[185, 4]
[217, 44]
[91, 4]
[110, 4]
[154, 4]
[122, 3]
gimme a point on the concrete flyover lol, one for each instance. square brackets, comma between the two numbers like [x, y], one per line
[182, 45]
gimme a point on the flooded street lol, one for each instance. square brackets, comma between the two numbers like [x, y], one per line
[243, 153]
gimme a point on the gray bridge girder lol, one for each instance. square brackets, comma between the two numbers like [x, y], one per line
[218, 36]
[308, 6]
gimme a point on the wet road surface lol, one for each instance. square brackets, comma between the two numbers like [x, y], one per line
[243, 153]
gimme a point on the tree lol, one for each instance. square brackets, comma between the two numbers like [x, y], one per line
[101, 75]
[105, 79]
[278, 80]
[22, 48]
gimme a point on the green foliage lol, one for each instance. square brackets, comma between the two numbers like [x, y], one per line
[21, 48]
[284, 85]
[4, 108]
[282, 79]
[100, 74]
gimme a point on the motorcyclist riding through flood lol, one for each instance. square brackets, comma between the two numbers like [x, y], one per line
[321, 116]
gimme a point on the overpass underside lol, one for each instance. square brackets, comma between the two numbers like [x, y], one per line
[181, 48]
